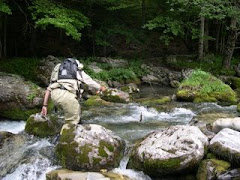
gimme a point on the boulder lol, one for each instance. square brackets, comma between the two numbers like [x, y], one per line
[154, 101]
[63, 174]
[230, 175]
[96, 101]
[176, 149]
[226, 145]
[12, 150]
[130, 88]
[45, 68]
[204, 87]
[211, 169]
[150, 79]
[89, 147]
[43, 126]
[19, 98]
[115, 95]
[232, 123]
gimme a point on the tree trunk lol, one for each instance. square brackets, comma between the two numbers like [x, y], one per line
[201, 39]
[231, 42]
[218, 38]
[206, 48]
[5, 36]
[143, 12]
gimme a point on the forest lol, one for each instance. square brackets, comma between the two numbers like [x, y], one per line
[120, 28]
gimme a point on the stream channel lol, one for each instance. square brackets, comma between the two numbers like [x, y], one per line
[37, 156]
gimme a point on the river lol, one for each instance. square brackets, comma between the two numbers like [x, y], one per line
[129, 121]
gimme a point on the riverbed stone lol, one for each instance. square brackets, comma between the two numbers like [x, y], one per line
[43, 126]
[63, 174]
[12, 150]
[211, 169]
[19, 98]
[226, 145]
[96, 101]
[89, 147]
[233, 174]
[115, 95]
[232, 123]
[176, 149]
[130, 88]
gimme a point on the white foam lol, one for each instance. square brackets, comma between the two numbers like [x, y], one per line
[14, 127]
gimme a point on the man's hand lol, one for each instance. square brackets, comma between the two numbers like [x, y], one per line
[44, 111]
[102, 89]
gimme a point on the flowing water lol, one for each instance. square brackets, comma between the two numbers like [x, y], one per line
[129, 121]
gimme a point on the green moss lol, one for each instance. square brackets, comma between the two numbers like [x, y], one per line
[95, 101]
[203, 87]
[153, 102]
[211, 156]
[202, 173]
[102, 145]
[42, 128]
[238, 107]
[221, 166]
[18, 114]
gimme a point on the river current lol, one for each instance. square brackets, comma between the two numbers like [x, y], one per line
[129, 121]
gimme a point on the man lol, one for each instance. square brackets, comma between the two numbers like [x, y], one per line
[65, 88]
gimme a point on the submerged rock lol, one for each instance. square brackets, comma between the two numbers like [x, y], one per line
[12, 150]
[19, 98]
[43, 126]
[89, 147]
[230, 175]
[226, 144]
[232, 123]
[168, 151]
[64, 174]
[211, 169]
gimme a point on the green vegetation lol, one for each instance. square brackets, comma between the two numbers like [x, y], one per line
[203, 87]
[25, 67]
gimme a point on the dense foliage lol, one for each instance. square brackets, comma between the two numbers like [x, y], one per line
[137, 28]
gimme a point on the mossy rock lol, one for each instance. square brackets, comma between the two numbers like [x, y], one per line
[211, 168]
[203, 87]
[238, 107]
[115, 95]
[19, 114]
[96, 101]
[89, 147]
[154, 102]
[43, 127]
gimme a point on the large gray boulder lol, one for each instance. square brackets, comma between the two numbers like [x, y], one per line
[226, 144]
[12, 150]
[19, 98]
[89, 147]
[232, 123]
[114, 63]
[168, 151]
[45, 68]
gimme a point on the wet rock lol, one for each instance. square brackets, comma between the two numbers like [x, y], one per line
[19, 98]
[43, 126]
[96, 101]
[63, 174]
[232, 123]
[115, 95]
[12, 150]
[210, 169]
[45, 68]
[89, 147]
[150, 79]
[154, 101]
[168, 151]
[230, 175]
[130, 88]
[226, 145]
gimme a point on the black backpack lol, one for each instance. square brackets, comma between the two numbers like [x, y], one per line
[68, 69]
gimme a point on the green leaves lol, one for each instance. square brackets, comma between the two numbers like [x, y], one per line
[4, 8]
[46, 12]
